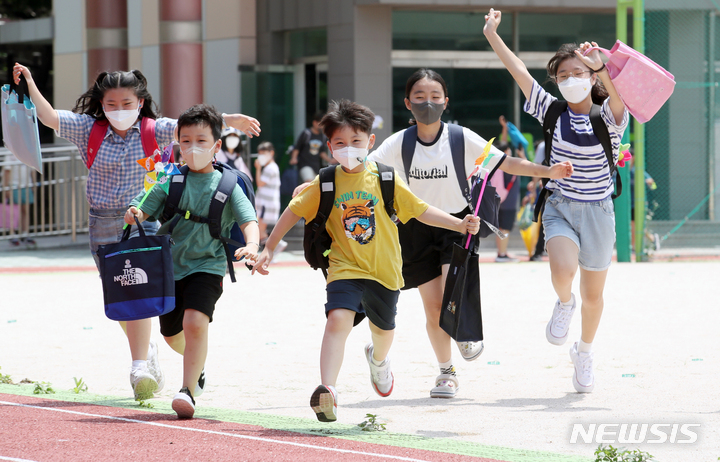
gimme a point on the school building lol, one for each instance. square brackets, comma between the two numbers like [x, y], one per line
[282, 60]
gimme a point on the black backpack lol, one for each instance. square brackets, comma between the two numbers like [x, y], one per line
[552, 115]
[230, 177]
[490, 204]
[316, 240]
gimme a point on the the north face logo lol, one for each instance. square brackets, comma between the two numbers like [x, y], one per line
[131, 276]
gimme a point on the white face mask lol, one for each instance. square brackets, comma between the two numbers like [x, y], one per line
[350, 157]
[575, 90]
[264, 159]
[232, 142]
[197, 158]
[122, 120]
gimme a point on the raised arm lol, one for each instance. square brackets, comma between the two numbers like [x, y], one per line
[594, 62]
[45, 112]
[512, 63]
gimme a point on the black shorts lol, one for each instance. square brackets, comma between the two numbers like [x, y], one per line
[197, 291]
[425, 249]
[506, 219]
[366, 298]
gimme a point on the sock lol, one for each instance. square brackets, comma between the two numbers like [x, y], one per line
[447, 368]
[568, 304]
[376, 362]
[584, 347]
[139, 364]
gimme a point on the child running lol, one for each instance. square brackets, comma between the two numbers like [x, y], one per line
[119, 101]
[579, 216]
[364, 277]
[198, 258]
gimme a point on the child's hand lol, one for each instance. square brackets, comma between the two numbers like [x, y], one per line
[263, 261]
[492, 21]
[257, 164]
[130, 215]
[561, 170]
[502, 120]
[250, 252]
[593, 59]
[246, 124]
[20, 69]
[470, 224]
[300, 188]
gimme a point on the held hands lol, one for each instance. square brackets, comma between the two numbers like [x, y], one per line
[250, 252]
[130, 215]
[561, 170]
[593, 59]
[492, 21]
[470, 224]
[263, 261]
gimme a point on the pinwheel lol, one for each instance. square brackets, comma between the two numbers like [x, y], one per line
[625, 155]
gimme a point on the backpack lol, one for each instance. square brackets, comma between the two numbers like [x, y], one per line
[316, 240]
[490, 203]
[99, 130]
[230, 177]
[600, 130]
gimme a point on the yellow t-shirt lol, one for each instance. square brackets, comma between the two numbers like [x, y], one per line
[365, 241]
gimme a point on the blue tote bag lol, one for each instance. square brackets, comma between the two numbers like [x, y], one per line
[20, 124]
[137, 276]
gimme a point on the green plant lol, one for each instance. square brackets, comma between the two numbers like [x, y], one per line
[371, 424]
[79, 385]
[43, 388]
[4, 378]
[611, 454]
[145, 404]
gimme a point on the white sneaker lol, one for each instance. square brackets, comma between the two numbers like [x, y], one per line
[381, 376]
[505, 259]
[200, 386]
[446, 385]
[153, 365]
[324, 402]
[143, 384]
[471, 351]
[557, 328]
[184, 404]
[583, 376]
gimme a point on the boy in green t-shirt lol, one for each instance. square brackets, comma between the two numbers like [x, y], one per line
[198, 258]
[365, 273]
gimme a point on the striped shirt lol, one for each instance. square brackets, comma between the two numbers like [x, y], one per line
[575, 141]
[115, 177]
[267, 198]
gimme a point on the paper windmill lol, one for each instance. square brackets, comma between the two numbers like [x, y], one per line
[482, 161]
[625, 155]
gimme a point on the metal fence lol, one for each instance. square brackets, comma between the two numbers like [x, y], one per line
[53, 203]
[681, 141]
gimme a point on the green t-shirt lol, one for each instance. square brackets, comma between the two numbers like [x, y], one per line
[195, 250]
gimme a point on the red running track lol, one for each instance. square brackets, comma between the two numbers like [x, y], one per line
[37, 429]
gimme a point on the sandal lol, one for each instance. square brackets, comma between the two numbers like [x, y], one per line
[446, 385]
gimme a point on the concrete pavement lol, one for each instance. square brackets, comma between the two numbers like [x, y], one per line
[657, 359]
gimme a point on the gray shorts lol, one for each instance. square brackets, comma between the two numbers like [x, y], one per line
[106, 227]
[590, 225]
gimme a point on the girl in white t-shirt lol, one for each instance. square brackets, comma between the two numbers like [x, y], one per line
[427, 251]
[579, 217]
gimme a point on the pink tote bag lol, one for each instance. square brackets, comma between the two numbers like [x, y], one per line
[9, 216]
[642, 84]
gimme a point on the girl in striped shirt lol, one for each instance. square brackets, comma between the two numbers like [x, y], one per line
[579, 217]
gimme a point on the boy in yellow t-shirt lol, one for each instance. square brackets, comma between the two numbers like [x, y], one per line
[365, 273]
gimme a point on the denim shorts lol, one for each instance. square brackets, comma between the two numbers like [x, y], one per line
[106, 227]
[590, 225]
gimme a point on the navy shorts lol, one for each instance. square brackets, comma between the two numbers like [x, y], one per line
[197, 291]
[506, 219]
[366, 298]
[425, 249]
